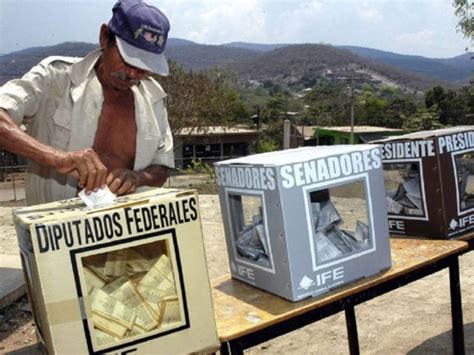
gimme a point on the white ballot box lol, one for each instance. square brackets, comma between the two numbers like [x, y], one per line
[301, 222]
[429, 182]
[130, 277]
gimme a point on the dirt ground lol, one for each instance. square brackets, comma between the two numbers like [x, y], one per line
[414, 319]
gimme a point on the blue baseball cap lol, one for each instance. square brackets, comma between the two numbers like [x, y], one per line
[141, 31]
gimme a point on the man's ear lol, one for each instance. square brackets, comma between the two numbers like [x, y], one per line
[103, 37]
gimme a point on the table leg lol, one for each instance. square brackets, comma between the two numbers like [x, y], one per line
[225, 349]
[230, 348]
[352, 335]
[456, 307]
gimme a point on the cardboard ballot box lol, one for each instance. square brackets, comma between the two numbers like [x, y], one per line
[301, 222]
[429, 181]
[126, 278]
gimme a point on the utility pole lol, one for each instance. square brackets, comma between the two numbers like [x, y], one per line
[286, 134]
[303, 123]
[352, 107]
[258, 130]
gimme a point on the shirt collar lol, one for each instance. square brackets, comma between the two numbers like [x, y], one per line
[152, 89]
[82, 69]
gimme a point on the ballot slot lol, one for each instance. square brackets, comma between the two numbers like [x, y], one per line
[340, 222]
[249, 229]
[405, 195]
[464, 168]
[131, 293]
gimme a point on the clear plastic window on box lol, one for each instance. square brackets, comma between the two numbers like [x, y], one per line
[132, 293]
[465, 179]
[250, 239]
[404, 194]
[340, 221]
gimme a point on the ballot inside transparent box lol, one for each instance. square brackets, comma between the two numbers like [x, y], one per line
[339, 217]
[404, 189]
[249, 229]
[131, 292]
[464, 168]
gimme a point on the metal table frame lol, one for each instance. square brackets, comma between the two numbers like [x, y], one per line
[347, 304]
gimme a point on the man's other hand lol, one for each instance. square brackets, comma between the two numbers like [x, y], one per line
[85, 165]
[122, 181]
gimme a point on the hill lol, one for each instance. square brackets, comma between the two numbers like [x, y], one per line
[255, 46]
[459, 68]
[14, 65]
[252, 61]
[310, 61]
[456, 69]
[189, 54]
[198, 56]
[176, 42]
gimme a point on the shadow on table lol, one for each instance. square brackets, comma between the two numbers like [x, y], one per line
[442, 343]
[257, 299]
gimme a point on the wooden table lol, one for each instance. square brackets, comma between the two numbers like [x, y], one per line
[469, 238]
[247, 316]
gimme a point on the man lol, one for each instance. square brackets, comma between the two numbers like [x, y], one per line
[97, 121]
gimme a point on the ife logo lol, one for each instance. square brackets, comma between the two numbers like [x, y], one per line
[461, 222]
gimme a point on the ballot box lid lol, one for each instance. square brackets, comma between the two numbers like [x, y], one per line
[74, 207]
[296, 155]
[428, 134]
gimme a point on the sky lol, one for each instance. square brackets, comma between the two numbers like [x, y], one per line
[416, 27]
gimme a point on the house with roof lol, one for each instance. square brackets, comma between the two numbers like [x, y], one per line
[211, 144]
[319, 135]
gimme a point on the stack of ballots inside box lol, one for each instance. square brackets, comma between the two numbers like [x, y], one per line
[407, 197]
[132, 292]
[331, 240]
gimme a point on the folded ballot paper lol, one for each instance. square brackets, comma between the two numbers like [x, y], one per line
[101, 197]
[407, 198]
[331, 240]
[132, 301]
[251, 242]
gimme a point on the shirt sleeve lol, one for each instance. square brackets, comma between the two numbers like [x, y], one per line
[22, 97]
[164, 155]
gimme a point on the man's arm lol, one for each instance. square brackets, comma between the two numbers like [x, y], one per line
[124, 181]
[84, 165]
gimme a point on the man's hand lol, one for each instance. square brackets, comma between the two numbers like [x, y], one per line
[123, 181]
[85, 165]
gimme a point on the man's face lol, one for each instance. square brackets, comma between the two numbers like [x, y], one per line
[116, 72]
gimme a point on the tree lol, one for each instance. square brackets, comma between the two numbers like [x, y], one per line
[273, 114]
[199, 100]
[435, 96]
[371, 111]
[452, 107]
[328, 104]
[464, 10]
[423, 119]
[466, 105]
[397, 109]
[275, 108]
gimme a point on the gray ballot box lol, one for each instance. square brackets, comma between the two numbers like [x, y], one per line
[301, 222]
[429, 181]
[126, 278]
